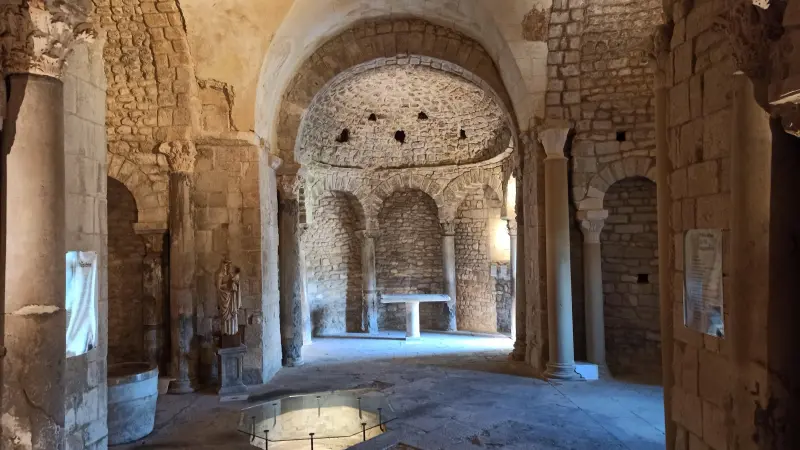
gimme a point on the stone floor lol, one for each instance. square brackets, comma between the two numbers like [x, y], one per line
[452, 392]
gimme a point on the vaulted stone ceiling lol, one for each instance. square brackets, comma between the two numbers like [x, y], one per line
[408, 115]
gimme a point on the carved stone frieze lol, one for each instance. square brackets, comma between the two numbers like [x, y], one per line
[181, 155]
[37, 36]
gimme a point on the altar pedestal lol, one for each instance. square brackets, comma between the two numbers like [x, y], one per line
[231, 362]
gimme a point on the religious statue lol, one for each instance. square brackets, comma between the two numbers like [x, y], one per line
[230, 299]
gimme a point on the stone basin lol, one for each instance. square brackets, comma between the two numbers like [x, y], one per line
[132, 396]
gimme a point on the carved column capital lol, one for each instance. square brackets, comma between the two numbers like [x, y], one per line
[368, 234]
[180, 154]
[553, 138]
[39, 35]
[448, 228]
[153, 238]
[273, 161]
[512, 227]
[592, 223]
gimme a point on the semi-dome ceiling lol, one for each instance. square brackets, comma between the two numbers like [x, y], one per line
[407, 115]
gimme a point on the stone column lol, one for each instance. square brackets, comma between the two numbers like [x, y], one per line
[561, 364]
[369, 294]
[35, 318]
[520, 335]
[512, 263]
[181, 156]
[33, 324]
[449, 267]
[304, 306]
[290, 283]
[154, 304]
[592, 223]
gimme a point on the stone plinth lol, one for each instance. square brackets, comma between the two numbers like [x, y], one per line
[231, 385]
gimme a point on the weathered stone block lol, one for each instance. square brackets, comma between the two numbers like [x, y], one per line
[702, 179]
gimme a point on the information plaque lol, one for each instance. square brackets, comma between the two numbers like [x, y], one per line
[702, 290]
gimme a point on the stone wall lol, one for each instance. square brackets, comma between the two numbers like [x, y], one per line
[476, 308]
[503, 294]
[227, 221]
[87, 230]
[333, 265]
[599, 77]
[630, 279]
[699, 75]
[126, 253]
[408, 258]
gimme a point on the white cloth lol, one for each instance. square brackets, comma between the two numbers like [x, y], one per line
[81, 302]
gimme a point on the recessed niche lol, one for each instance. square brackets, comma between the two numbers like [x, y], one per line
[373, 118]
[422, 116]
[400, 136]
[462, 134]
[622, 136]
[344, 136]
[643, 278]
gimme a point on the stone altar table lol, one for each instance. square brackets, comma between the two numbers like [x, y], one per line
[412, 302]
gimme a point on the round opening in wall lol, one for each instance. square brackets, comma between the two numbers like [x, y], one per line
[400, 136]
[373, 118]
[344, 136]
[462, 134]
[422, 116]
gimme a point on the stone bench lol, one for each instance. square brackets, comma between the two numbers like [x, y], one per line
[412, 302]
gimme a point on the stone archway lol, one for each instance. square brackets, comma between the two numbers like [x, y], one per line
[408, 257]
[333, 258]
[629, 246]
[126, 253]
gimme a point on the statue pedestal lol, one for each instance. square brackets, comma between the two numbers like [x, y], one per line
[231, 362]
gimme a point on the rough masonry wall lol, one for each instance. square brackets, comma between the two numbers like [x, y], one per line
[700, 76]
[126, 253]
[408, 258]
[501, 279]
[227, 220]
[429, 103]
[87, 230]
[630, 279]
[599, 77]
[152, 93]
[333, 264]
[476, 308]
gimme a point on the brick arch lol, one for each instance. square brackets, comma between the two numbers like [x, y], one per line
[352, 187]
[632, 166]
[428, 185]
[372, 39]
[462, 185]
[151, 203]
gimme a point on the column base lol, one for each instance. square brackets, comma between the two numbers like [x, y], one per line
[518, 354]
[564, 372]
[180, 387]
[293, 362]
